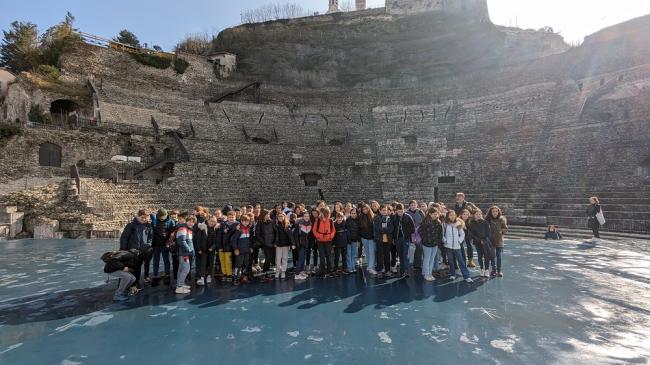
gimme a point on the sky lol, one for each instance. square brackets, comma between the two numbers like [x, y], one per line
[166, 22]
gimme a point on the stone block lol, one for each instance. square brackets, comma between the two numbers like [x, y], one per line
[46, 230]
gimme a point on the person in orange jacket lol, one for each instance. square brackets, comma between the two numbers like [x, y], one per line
[324, 231]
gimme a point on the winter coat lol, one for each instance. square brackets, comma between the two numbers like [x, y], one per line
[267, 234]
[382, 226]
[323, 230]
[453, 236]
[431, 234]
[119, 260]
[498, 229]
[200, 237]
[184, 242]
[592, 210]
[241, 240]
[354, 229]
[161, 229]
[303, 233]
[342, 236]
[285, 236]
[403, 227]
[366, 227]
[136, 236]
[212, 238]
[417, 215]
[227, 231]
[479, 231]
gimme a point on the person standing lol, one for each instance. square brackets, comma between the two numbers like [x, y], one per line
[162, 226]
[324, 231]
[403, 228]
[592, 221]
[431, 234]
[185, 248]
[498, 229]
[453, 236]
[366, 222]
[460, 204]
[137, 236]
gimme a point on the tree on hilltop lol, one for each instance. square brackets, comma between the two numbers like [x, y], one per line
[127, 37]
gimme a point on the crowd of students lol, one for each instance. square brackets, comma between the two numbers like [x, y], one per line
[236, 245]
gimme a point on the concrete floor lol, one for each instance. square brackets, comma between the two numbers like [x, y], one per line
[559, 302]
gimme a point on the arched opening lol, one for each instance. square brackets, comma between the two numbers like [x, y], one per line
[61, 109]
[310, 178]
[49, 154]
[336, 142]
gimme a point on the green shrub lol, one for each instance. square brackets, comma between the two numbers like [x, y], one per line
[49, 71]
[180, 65]
[36, 115]
[152, 60]
[8, 131]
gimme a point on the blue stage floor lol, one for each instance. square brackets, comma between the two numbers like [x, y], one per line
[559, 302]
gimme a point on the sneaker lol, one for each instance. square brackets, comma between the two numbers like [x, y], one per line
[200, 282]
[120, 297]
[431, 278]
[372, 272]
[283, 274]
[452, 278]
[469, 280]
[500, 274]
[493, 273]
[147, 280]
[481, 273]
[182, 290]
[393, 269]
[277, 274]
[208, 279]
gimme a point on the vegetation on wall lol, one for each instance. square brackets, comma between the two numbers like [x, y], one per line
[36, 115]
[180, 65]
[23, 50]
[9, 130]
[152, 60]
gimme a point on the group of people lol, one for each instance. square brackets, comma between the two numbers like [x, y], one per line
[237, 244]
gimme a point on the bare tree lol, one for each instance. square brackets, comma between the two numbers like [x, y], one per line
[195, 43]
[274, 11]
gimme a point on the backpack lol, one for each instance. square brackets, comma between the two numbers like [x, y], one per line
[171, 240]
[328, 235]
[108, 256]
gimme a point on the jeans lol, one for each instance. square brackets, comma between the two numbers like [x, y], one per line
[352, 252]
[436, 259]
[403, 251]
[325, 252]
[342, 254]
[300, 264]
[459, 256]
[126, 280]
[429, 255]
[369, 252]
[383, 257]
[157, 252]
[225, 259]
[282, 258]
[183, 269]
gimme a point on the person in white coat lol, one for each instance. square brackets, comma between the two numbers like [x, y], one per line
[453, 236]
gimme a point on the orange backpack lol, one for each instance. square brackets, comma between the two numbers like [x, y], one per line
[324, 232]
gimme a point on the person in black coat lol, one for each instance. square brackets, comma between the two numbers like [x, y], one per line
[403, 228]
[341, 242]
[592, 222]
[120, 264]
[137, 235]
[266, 235]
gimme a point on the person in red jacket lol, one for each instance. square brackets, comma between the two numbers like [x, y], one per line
[324, 231]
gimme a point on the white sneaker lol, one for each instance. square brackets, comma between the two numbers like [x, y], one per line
[469, 280]
[277, 274]
[208, 279]
[372, 272]
[393, 269]
[452, 278]
[200, 282]
[283, 274]
[182, 290]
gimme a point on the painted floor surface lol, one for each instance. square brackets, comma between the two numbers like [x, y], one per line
[559, 302]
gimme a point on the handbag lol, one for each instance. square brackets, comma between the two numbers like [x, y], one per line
[600, 217]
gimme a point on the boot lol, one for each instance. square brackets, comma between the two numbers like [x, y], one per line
[471, 263]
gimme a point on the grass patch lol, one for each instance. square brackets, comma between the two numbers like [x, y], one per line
[180, 65]
[8, 130]
[152, 60]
